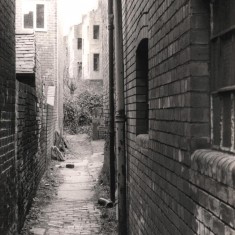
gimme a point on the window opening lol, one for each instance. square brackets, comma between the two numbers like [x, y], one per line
[96, 62]
[96, 31]
[79, 44]
[142, 113]
[222, 74]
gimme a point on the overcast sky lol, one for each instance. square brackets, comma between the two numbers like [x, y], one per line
[74, 9]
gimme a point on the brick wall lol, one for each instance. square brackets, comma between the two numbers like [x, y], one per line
[8, 185]
[26, 130]
[173, 188]
[35, 135]
[35, 125]
[30, 152]
[104, 54]
[48, 51]
[105, 63]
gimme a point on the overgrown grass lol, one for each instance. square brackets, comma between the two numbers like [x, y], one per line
[79, 110]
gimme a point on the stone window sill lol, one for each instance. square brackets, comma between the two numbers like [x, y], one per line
[142, 142]
[217, 165]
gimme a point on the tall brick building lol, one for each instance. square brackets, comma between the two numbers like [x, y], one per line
[179, 107]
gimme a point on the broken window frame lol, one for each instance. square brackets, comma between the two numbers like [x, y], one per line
[34, 10]
[222, 79]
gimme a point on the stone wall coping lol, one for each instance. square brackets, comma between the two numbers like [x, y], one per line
[215, 164]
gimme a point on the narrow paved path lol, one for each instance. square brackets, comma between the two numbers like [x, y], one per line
[73, 210]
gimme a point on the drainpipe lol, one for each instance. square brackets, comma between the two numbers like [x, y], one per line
[120, 120]
[111, 104]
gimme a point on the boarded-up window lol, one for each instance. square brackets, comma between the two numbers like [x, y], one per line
[223, 73]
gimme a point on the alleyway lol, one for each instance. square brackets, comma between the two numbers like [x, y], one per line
[73, 210]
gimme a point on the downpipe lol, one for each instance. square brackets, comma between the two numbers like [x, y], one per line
[120, 120]
[111, 104]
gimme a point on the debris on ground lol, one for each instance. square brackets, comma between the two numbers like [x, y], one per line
[38, 231]
[105, 202]
[60, 142]
[58, 166]
[56, 154]
[108, 214]
[69, 165]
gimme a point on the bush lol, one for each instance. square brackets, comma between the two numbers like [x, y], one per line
[78, 111]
